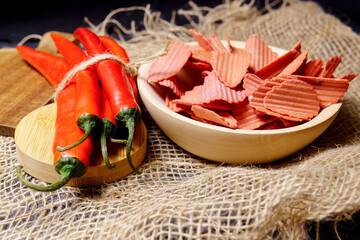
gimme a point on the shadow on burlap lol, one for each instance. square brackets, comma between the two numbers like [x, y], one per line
[180, 196]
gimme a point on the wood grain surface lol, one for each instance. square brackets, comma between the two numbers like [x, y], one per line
[22, 88]
[34, 137]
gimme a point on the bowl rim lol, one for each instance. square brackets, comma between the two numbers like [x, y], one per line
[147, 90]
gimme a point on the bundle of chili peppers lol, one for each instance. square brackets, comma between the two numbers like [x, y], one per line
[101, 98]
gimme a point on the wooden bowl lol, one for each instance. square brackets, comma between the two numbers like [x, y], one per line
[222, 144]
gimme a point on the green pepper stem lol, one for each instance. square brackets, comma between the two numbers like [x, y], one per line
[86, 122]
[104, 151]
[65, 177]
[115, 140]
[83, 138]
[130, 124]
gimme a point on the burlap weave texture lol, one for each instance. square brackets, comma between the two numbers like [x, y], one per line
[180, 196]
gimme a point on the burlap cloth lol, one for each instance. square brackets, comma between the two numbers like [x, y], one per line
[180, 196]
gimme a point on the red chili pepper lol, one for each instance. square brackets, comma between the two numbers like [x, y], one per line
[52, 67]
[117, 88]
[88, 89]
[74, 162]
[75, 55]
[120, 52]
[115, 48]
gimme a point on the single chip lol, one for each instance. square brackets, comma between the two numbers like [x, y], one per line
[277, 124]
[174, 84]
[231, 67]
[294, 99]
[275, 67]
[201, 39]
[256, 99]
[247, 117]
[170, 64]
[289, 123]
[223, 118]
[201, 55]
[330, 66]
[170, 96]
[261, 53]
[313, 67]
[251, 83]
[297, 66]
[349, 76]
[190, 76]
[202, 66]
[193, 116]
[297, 46]
[190, 98]
[193, 48]
[230, 47]
[185, 80]
[217, 45]
[213, 89]
[329, 90]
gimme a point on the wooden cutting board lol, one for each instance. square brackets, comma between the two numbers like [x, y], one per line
[34, 138]
[22, 89]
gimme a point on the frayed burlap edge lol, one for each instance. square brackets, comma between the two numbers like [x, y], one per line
[180, 196]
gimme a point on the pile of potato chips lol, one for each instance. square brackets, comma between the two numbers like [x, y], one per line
[250, 88]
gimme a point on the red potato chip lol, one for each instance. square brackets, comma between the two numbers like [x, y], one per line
[297, 66]
[330, 66]
[256, 99]
[190, 76]
[200, 65]
[313, 67]
[213, 89]
[349, 76]
[288, 123]
[251, 83]
[174, 84]
[297, 46]
[277, 66]
[193, 116]
[218, 105]
[201, 56]
[217, 45]
[329, 90]
[230, 47]
[223, 118]
[294, 99]
[261, 53]
[277, 124]
[194, 48]
[247, 117]
[169, 97]
[231, 67]
[233, 49]
[201, 39]
[190, 98]
[170, 64]
[185, 80]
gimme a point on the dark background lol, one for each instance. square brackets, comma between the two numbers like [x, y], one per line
[19, 19]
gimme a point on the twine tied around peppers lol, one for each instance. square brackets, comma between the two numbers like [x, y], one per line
[130, 67]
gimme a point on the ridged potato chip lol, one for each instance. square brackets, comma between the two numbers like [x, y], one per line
[293, 99]
[169, 65]
[261, 53]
